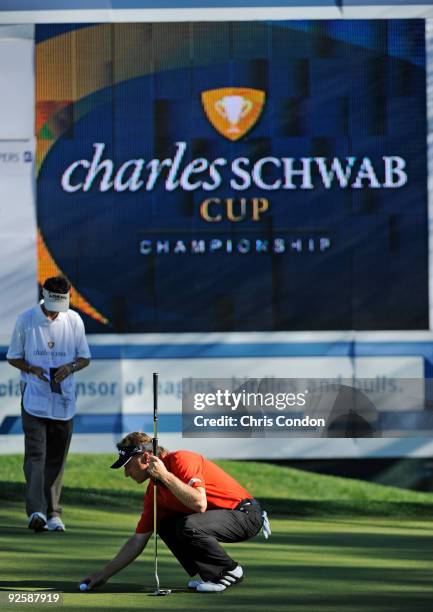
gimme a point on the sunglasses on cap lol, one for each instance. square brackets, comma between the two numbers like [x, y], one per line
[125, 454]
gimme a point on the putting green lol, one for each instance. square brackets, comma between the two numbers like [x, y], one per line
[338, 545]
[326, 565]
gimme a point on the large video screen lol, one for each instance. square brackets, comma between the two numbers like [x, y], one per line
[199, 177]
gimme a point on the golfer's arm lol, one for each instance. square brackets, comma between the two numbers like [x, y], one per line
[126, 555]
[194, 498]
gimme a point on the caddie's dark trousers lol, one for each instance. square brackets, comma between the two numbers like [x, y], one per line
[194, 538]
[46, 447]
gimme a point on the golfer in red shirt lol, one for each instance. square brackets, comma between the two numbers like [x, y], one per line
[198, 506]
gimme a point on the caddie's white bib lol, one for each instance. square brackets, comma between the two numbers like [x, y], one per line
[48, 344]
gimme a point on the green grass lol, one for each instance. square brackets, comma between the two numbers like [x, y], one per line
[358, 560]
[282, 490]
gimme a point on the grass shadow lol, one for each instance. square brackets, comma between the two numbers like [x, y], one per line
[297, 508]
[307, 508]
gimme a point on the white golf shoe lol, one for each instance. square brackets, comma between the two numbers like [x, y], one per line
[227, 579]
[193, 584]
[55, 523]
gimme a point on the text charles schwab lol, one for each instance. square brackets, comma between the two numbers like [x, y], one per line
[268, 175]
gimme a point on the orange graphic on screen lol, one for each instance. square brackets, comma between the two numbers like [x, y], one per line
[233, 111]
[53, 118]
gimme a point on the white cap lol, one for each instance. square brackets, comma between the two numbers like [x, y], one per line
[56, 302]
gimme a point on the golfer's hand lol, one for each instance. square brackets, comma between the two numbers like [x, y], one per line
[63, 372]
[157, 469]
[95, 580]
[38, 372]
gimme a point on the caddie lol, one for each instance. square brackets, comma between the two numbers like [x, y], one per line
[48, 345]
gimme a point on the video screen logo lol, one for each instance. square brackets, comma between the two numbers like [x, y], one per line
[233, 111]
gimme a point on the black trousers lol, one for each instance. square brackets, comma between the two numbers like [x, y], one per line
[46, 447]
[194, 538]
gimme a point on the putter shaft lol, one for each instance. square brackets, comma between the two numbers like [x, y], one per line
[155, 486]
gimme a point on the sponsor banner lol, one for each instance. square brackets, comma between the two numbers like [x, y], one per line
[115, 397]
[16, 162]
[117, 392]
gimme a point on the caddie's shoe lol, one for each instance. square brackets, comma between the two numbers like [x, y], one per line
[37, 521]
[55, 523]
[226, 579]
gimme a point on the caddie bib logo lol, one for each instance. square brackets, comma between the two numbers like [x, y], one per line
[233, 111]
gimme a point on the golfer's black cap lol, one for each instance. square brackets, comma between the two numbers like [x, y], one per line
[125, 454]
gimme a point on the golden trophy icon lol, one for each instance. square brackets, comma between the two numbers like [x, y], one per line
[233, 108]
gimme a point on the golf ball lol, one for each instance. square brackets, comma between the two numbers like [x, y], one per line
[83, 586]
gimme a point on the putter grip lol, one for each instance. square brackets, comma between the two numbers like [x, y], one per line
[155, 394]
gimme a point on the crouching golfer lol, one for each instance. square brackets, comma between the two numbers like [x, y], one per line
[198, 506]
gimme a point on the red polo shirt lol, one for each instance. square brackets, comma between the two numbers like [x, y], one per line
[222, 491]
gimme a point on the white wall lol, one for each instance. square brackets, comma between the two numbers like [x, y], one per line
[17, 192]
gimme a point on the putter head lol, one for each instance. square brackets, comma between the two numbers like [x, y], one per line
[161, 592]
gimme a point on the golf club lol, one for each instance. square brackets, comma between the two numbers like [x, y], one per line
[158, 591]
